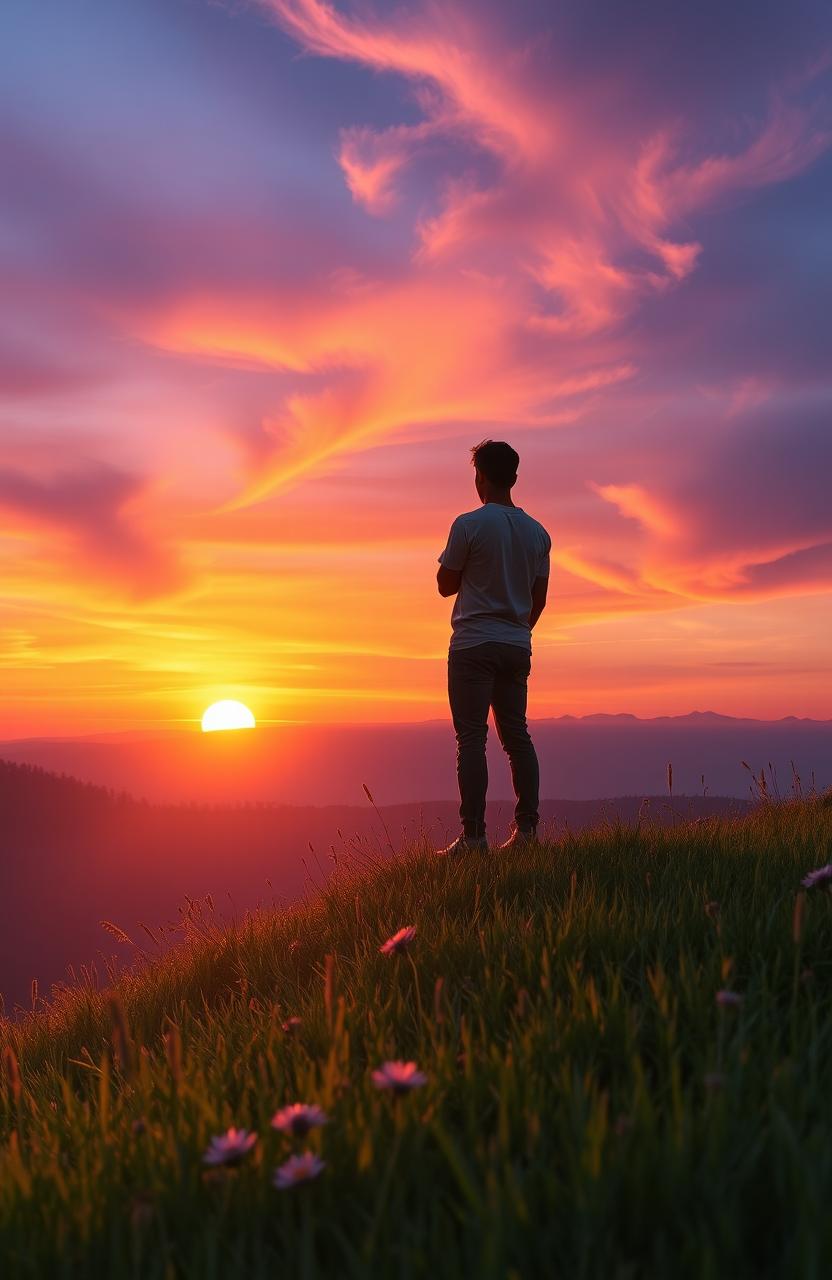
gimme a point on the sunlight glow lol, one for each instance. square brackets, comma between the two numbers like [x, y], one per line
[227, 714]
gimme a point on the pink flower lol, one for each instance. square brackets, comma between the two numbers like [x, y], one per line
[298, 1119]
[297, 1169]
[728, 999]
[401, 1077]
[230, 1147]
[817, 879]
[399, 942]
[291, 1025]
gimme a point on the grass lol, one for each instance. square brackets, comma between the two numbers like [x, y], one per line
[562, 1004]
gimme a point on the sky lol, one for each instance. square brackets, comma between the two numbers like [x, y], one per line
[270, 268]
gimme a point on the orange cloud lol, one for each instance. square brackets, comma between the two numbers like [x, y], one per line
[426, 351]
[633, 501]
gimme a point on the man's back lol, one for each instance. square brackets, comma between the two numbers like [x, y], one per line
[500, 551]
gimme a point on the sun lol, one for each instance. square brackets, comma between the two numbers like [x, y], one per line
[227, 714]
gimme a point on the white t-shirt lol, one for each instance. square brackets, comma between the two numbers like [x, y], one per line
[500, 551]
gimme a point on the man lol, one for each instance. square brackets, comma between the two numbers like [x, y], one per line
[496, 563]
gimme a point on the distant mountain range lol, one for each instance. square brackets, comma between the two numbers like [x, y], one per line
[73, 854]
[581, 759]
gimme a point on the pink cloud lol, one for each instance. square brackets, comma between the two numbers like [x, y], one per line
[719, 521]
[436, 46]
[575, 193]
[93, 512]
[664, 190]
[372, 161]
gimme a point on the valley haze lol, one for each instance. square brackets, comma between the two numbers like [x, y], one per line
[310, 764]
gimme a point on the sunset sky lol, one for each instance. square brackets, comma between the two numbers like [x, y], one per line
[270, 269]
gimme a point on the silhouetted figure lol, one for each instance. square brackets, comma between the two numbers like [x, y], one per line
[496, 563]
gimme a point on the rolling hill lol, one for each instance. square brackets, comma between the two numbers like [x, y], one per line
[620, 1043]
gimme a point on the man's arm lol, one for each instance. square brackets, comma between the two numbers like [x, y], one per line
[448, 580]
[539, 591]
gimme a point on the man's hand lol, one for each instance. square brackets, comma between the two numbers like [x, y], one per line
[448, 580]
[539, 591]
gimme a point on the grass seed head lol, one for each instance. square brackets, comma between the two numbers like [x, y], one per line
[820, 878]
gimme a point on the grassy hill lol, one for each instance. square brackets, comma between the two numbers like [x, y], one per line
[590, 1110]
[73, 853]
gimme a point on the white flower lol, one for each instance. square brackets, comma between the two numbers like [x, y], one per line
[230, 1147]
[298, 1119]
[297, 1169]
[401, 1077]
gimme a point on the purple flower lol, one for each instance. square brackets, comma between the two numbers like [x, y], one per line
[399, 942]
[230, 1147]
[728, 999]
[298, 1119]
[818, 878]
[297, 1169]
[401, 1077]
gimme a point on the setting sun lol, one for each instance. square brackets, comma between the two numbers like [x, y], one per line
[227, 714]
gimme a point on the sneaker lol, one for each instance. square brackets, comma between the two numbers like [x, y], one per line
[464, 844]
[519, 840]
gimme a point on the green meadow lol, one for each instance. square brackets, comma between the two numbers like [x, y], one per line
[590, 1108]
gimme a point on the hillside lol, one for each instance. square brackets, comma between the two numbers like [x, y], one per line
[590, 1109]
[73, 854]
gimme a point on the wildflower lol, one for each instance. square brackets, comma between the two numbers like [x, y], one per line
[297, 1169]
[728, 999]
[291, 1025]
[818, 878]
[399, 942]
[714, 1081]
[712, 910]
[230, 1147]
[298, 1119]
[401, 1077]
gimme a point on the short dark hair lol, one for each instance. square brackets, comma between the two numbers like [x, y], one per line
[497, 461]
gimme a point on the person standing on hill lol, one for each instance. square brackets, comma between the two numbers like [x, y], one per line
[496, 563]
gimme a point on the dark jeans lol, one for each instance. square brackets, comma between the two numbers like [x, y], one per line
[492, 675]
